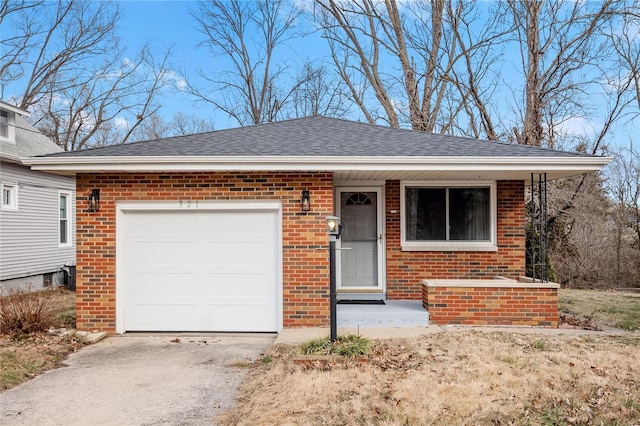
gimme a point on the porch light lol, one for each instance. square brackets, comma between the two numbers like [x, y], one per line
[93, 201]
[305, 201]
[333, 226]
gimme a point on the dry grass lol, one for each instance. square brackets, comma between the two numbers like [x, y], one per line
[26, 312]
[462, 378]
[609, 308]
[23, 356]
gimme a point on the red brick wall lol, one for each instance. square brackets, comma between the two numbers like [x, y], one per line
[407, 269]
[492, 306]
[305, 262]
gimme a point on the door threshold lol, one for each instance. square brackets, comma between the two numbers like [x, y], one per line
[357, 295]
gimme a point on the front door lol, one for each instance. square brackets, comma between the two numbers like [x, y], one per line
[361, 240]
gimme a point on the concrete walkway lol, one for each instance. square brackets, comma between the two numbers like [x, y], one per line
[296, 336]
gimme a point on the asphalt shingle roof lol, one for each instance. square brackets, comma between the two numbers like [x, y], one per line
[29, 141]
[319, 136]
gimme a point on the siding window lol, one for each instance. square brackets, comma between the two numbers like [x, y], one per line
[7, 131]
[9, 197]
[450, 217]
[65, 218]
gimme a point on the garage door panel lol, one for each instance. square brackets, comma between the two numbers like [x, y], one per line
[238, 253]
[161, 252]
[146, 224]
[238, 286]
[214, 271]
[170, 285]
[254, 318]
[165, 317]
[235, 224]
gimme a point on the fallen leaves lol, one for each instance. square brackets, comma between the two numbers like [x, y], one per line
[452, 378]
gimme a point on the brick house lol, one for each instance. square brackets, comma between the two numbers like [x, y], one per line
[226, 231]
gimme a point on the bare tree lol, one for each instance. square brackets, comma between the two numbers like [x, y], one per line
[600, 247]
[179, 125]
[67, 66]
[319, 93]
[561, 52]
[626, 43]
[254, 87]
[117, 91]
[432, 46]
[624, 188]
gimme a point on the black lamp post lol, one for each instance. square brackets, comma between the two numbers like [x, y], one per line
[334, 228]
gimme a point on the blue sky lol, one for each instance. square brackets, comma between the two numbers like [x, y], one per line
[166, 23]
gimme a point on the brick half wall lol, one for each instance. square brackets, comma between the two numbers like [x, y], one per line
[491, 302]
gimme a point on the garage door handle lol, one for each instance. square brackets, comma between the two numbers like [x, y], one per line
[344, 248]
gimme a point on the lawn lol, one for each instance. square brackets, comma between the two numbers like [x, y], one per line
[463, 377]
[23, 356]
[601, 308]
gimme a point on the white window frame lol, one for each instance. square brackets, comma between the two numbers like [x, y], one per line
[69, 219]
[11, 128]
[13, 197]
[490, 245]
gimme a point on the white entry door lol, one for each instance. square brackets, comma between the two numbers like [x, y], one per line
[360, 259]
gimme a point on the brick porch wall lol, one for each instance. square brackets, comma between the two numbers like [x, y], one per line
[479, 304]
[305, 264]
[407, 269]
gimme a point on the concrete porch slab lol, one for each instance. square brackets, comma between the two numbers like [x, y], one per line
[394, 313]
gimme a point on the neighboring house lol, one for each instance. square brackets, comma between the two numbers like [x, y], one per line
[209, 232]
[37, 227]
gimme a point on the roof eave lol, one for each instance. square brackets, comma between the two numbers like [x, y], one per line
[484, 166]
[292, 160]
[14, 109]
[10, 158]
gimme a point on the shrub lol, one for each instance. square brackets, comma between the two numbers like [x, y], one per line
[350, 346]
[25, 312]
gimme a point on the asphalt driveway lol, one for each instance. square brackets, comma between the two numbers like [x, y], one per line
[138, 380]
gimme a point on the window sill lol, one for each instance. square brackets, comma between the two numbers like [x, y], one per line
[488, 247]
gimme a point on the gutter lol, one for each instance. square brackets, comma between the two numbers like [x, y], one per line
[79, 164]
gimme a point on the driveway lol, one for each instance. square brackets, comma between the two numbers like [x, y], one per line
[138, 380]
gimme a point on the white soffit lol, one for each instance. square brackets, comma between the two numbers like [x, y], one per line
[345, 167]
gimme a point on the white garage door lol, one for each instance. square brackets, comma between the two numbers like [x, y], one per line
[211, 270]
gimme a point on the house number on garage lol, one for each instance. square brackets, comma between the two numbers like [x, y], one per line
[187, 204]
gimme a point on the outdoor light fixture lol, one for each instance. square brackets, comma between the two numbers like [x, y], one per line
[93, 201]
[305, 201]
[333, 228]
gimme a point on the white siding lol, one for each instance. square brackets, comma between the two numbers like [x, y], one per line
[29, 236]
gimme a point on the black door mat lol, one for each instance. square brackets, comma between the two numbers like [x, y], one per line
[360, 302]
